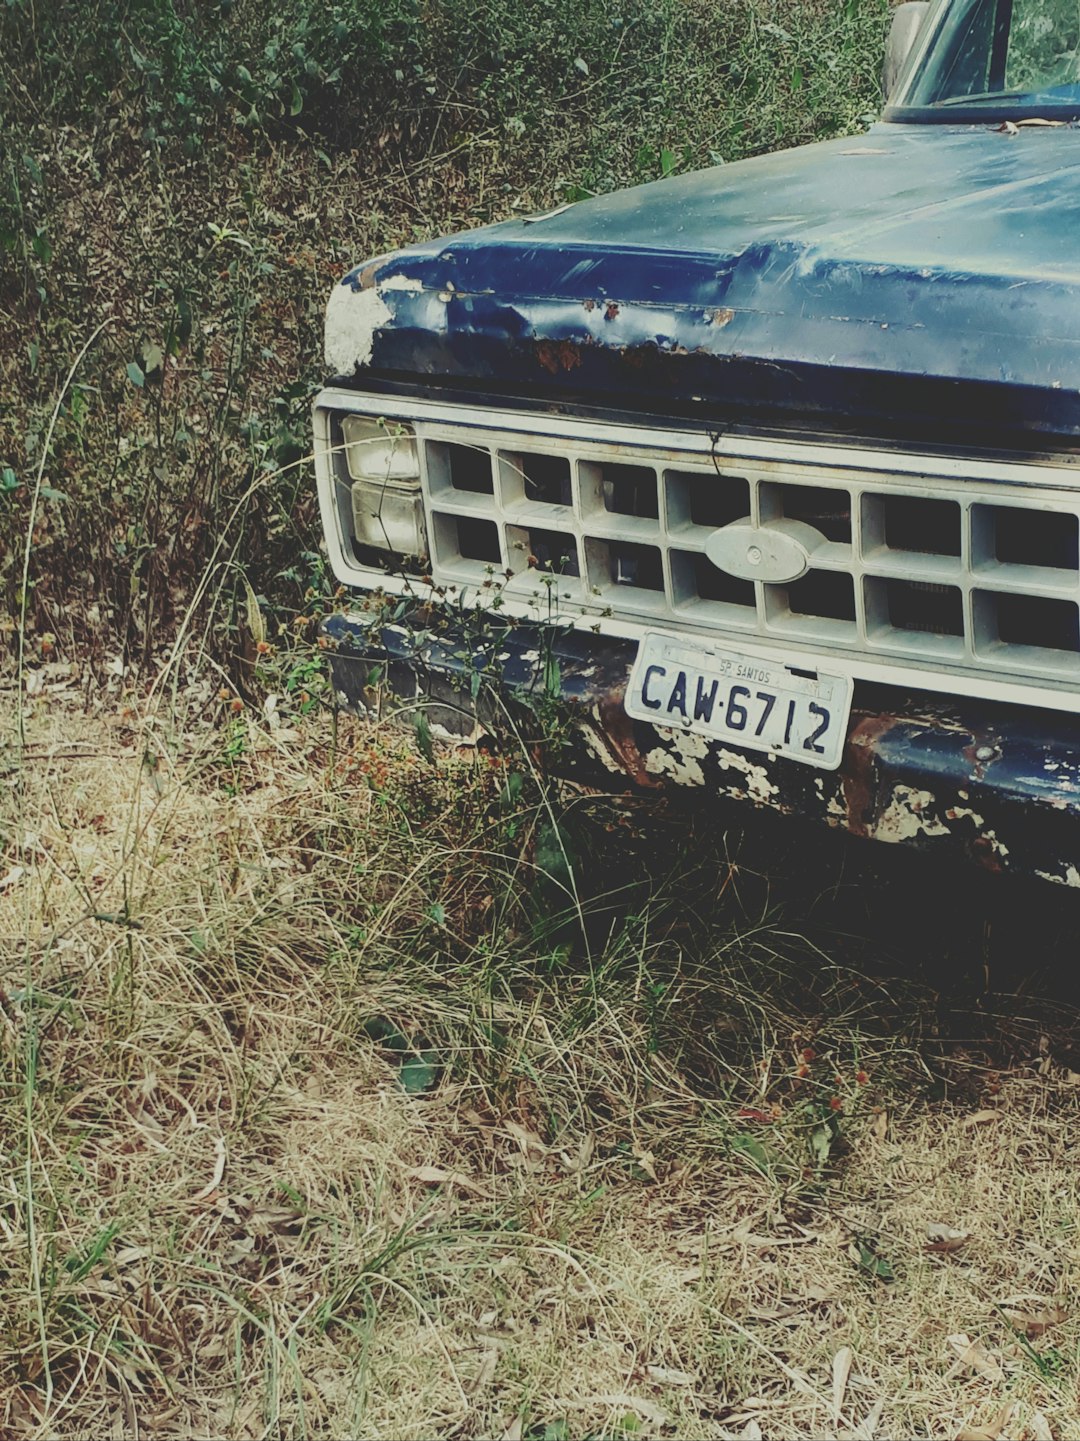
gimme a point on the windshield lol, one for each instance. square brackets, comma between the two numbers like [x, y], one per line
[1017, 57]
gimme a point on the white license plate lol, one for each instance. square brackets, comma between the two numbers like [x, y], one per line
[754, 702]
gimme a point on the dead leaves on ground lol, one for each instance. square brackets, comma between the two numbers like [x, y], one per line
[1005, 1424]
[973, 1356]
[1033, 1323]
[945, 1239]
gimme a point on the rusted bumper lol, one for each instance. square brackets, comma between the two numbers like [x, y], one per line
[995, 783]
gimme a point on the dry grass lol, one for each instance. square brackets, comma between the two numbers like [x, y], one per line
[592, 1209]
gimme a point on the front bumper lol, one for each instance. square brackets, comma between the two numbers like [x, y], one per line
[998, 784]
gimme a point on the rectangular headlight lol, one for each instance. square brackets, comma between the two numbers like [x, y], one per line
[382, 450]
[384, 465]
[387, 518]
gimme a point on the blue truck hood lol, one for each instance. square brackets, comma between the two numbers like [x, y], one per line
[907, 270]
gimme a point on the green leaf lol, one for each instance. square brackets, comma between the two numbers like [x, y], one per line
[48, 493]
[152, 357]
[510, 794]
[554, 854]
[871, 1262]
[744, 1144]
[296, 99]
[135, 375]
[419, 1073]
[8, 479]
[423, 736]
[256, 623]
[41, 247]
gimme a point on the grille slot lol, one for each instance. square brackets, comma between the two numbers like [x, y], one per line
[638, 566]
[924, 607]
[1030, 621]
[551, 552]
[463, 538]
[1005, 535]
[544, 479]
[828, 594]
[709, 501]
[630, 490]
[695, 578]
[827, 510]
[927, 527]
[467, 468]
[633, 573]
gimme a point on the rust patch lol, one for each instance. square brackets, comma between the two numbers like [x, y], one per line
[616, 731]
[611, 310]
[720, 318]
[857, 776]
[983, 751]
[590, 305]
[556, 355]
[984, 854]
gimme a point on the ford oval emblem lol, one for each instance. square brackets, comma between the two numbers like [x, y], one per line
[777, 552]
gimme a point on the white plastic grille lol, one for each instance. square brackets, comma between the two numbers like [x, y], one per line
[918, 569]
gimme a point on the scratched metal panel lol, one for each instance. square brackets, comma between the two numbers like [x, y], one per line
[925, 270]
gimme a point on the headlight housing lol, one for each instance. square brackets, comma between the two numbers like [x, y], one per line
[383, 462]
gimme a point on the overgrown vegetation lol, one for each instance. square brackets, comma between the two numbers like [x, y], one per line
[195, 175]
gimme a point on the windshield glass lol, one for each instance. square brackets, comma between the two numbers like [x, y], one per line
[1021, 57]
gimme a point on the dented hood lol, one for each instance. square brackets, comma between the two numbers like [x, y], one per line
[909, 268]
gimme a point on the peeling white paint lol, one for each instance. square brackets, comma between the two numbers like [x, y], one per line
[959, 813]
[353, 317]
[401, 282]
[758, 785]
[683, 762]
[594, 744]
[999, 848]
[1071, 877]
[904, 818]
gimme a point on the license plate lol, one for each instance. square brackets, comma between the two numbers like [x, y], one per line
[754, 702]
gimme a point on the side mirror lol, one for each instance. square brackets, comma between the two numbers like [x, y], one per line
[907, 21]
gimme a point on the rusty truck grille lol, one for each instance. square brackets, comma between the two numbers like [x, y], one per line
[915, 569]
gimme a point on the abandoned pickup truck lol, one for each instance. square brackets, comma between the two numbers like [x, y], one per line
[766, 479]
